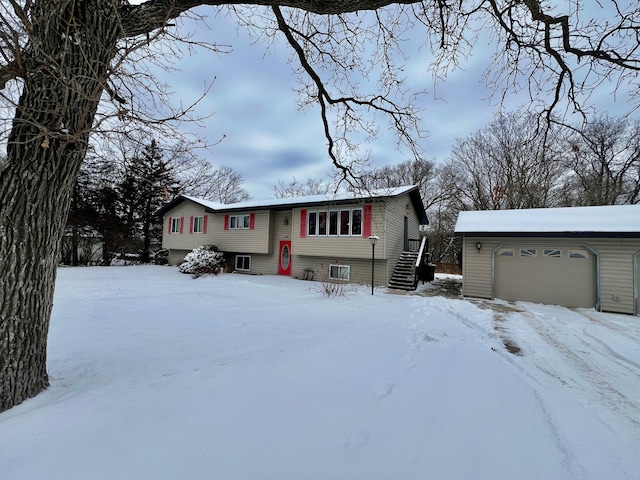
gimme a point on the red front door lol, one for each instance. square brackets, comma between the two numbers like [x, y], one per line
[284, 263]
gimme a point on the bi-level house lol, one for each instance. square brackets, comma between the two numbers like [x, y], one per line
[321, 237]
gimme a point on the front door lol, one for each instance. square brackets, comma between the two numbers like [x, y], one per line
[284, 263]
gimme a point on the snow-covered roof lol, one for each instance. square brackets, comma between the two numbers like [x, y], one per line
[315, 199]
[310, 200]
[610, 219]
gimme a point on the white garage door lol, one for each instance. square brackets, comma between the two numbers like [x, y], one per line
[546, 274]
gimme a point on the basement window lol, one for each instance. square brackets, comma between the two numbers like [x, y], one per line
[339, 272]
[243, 263]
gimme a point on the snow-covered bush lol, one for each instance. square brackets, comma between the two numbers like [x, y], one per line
[205, 260]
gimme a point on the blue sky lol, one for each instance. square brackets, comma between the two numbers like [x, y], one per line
[254, 105]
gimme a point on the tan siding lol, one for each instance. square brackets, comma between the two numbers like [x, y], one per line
[387, 223]
[397, 208]
[267, 264]
[338, 246]
[616, 273]
[243, 240]
[186, 241]
[615, 264]
[260, 264]
[360, 269]
[476, 267]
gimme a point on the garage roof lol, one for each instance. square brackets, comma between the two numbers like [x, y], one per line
[623, 220]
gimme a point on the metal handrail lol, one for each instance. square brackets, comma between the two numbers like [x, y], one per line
[421, 251]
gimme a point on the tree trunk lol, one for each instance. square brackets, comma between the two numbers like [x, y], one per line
[66, 64]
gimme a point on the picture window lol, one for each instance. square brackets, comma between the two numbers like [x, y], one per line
[335, 222]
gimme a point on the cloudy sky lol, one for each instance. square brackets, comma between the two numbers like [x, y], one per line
[254, 105]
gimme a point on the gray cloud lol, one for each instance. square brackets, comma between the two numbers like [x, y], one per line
[268, 138]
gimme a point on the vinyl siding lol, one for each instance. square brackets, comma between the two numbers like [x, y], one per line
[271, 227]
[260, 264]
[185, 240]
[397, 208]
[616, 273]
[267, 264]
[243, 240]
[476, 267]
[360, 269]
[615, 257]
[339, 246]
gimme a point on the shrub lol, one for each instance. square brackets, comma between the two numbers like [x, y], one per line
[333, 287]
[205, 260]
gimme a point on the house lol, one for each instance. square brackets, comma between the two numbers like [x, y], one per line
[575, 256]
[321, 237]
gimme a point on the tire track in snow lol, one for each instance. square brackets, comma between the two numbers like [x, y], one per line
[592, 378]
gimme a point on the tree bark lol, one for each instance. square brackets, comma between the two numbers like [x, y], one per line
[67, 62]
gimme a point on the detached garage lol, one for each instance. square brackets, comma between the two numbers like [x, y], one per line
[575, 257]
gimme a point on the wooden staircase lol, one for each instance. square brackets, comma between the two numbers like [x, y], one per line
[404, 276]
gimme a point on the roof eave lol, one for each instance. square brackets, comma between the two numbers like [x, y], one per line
[590, 234]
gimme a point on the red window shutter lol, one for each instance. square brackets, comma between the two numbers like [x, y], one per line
[303, 223]
[170, 222]
[226, 222]
[191, 224]
[252, 221]
[204, 224]
[367, 214]
[181, 225]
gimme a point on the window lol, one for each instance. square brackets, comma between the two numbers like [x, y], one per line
[356, 222]
[322, 223]
[313, 223]
[335, 222]
[506, 252]
[243, 262]
[198, 224]
[345, 222]
[175, 225]
[528, 252]
[552, 253]
[339, 272]
[239, 221]
[577, 254]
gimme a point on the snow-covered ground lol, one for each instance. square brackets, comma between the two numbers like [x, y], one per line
[155, 375]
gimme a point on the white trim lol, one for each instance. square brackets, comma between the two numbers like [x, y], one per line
[240, 222]
[244, 257]
[339, 268]
[315, 232]
[175, 225]
[198, 224]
